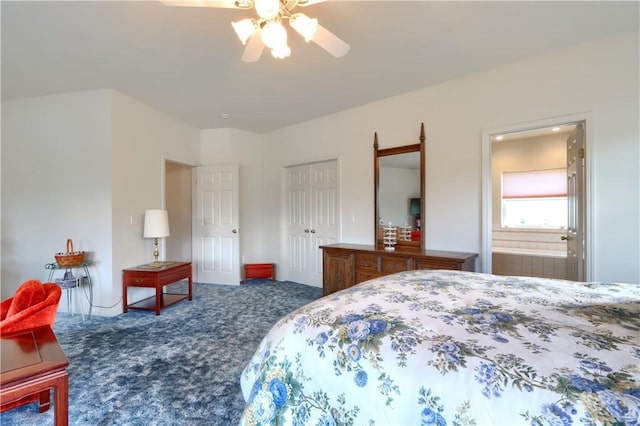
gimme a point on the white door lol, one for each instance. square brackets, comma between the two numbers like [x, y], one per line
[312, 218]
[216, 244]
[298, 218]
[576, 205]
[324, 214]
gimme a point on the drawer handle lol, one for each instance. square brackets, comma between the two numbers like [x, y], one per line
[139, 280]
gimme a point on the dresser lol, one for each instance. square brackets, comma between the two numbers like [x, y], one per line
[344, 265]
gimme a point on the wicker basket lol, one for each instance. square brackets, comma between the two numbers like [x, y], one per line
[70, 258]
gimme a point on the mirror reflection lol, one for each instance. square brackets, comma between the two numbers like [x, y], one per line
[399, 191]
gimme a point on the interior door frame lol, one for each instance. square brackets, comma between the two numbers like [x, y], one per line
[487, 225]
[163, 201]
[165, 190]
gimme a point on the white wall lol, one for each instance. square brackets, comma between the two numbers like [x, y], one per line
[258, 211]
[600, 78]
[81, 166]
[142, 139]
[334, 137]
[56, 184]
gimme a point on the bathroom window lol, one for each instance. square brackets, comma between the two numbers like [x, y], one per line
[535, 199]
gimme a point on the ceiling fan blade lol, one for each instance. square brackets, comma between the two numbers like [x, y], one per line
[230, 4]
[330, 42]
[254, 48]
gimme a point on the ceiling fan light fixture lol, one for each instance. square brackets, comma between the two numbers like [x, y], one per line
[304, 25]
[244, 29]
[267, 9]
[281, 52]
[244, 4]
[274, 36]
[266, 29]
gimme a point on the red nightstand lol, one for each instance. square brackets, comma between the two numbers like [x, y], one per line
[259, 270]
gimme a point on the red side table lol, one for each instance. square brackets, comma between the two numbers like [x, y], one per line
[259, 270]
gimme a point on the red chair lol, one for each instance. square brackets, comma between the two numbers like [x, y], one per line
[33, 305]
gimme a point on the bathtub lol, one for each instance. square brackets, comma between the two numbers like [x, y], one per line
[529, 262]
[529, 251]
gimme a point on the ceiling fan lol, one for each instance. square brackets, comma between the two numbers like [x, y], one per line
[267, 30]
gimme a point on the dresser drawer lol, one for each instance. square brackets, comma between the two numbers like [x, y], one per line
[437, 264]
[391, 264]
[139, 280]
[365, 275]
[366, 262]
[338, 271]
[175, 275]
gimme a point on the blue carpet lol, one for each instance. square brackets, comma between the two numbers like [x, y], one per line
[179, 368]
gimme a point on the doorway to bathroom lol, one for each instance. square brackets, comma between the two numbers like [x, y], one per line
[535, 201]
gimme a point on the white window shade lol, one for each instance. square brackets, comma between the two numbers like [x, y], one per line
[535, 184]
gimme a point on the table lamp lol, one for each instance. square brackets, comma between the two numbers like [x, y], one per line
[156, 225]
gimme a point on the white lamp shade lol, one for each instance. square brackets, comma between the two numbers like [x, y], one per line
[274, 36]
[244, 29]
[304, 25]
[267, 9]
[156, 224]
[281, 52]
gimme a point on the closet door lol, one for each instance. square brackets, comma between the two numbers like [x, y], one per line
[298, 226]
[324, 213]
[312, 218]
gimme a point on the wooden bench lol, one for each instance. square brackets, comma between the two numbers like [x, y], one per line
[259, 270]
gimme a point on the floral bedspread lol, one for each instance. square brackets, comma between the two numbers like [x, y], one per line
[453, 348]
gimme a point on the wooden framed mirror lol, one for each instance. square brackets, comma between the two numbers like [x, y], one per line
[399, 193]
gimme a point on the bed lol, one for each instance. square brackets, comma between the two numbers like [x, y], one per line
[452, 348]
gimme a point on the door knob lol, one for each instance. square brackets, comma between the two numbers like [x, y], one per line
[234, 230]
[565, 238]
[313, 231]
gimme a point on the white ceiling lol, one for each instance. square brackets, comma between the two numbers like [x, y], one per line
[186, 61]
